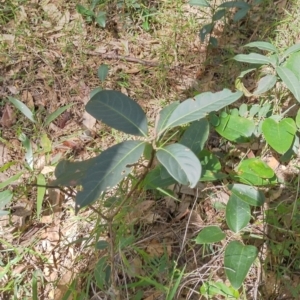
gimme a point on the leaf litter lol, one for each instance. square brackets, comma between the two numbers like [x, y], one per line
[54, 68]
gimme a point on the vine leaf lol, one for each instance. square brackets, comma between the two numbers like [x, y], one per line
[181, 163]
[248, 194]
[118, 111]
[237, 213]
[237, 261]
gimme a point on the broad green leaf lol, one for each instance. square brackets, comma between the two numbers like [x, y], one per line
[95, 91]
[279, 135]
[181, 163]
[237, 261]
[94, 4]
[293, 64]
[211, 288]
[247, 172]
[209, 235]
[196, 135]
[84, 11]
[213, 41]
[28, 148]
[260, 168]
[238, 213]
[102, 72]
[154, 179]
[254, 110]
[203, 3]
[22, 108]
[10, 180]
[240, 14]
[5, 198]
[243, 110]
[110, 167]
[101, 245]
[101, 19]
[262, 46]
[265, 84]
[248, 194]
[148, 151]
[197, 108]
[295, 148]
[219, 14]
[206, 29]
[102, 273]
[265, 110]
[41, 190]
[253, 58]
[298, 119]
[292, 49]
[290, 80]
[118, 111]
[235, 128]
[72, 173]
[56, 114]
[238, 4]
[164, 116]
[211, 166]
[45, 143]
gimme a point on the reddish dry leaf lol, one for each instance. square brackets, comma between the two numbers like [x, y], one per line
[8, 116]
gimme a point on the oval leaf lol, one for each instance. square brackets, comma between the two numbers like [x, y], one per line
[262, 46]
[209, 235]
[202, 3]
[265, 84]
[164, 116]
[298, 119]
[118, 111]
[279, 136]
[291, 50]
[100, 173]
[237, 261]
[293, 64]
[237, 213]
[197, 108]
[155, 180]
[253, 58]
[248, 174]
[181, 163]
[290, 80]
[22, 108]
[103, 71]
[196, 135]
[235, 128]
[248, 194]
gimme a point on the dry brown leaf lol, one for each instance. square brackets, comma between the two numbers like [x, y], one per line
[155, 249]
[88, 121]
[140, 210]
[272, 162]
[156, 295]
[8, 116]
[28, 99]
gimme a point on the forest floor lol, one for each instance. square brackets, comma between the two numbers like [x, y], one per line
[49, 57]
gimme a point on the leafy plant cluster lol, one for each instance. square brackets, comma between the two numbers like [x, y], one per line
[136, 9]
[218, 12]
[186, 161]
[181, 132]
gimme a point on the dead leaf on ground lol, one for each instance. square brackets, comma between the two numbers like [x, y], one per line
[157, 249]
[8, 116]
[88, 121]
[139, 210]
